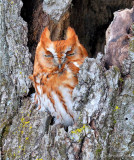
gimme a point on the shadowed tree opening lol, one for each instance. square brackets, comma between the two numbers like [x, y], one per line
[90, 20]
[36, 19]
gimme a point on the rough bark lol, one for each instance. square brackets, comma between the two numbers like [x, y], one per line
[15, 64]
[105, 128]
[117, 39]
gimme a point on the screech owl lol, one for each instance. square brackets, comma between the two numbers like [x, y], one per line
[55, 75]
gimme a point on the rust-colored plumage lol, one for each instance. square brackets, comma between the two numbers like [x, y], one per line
[55, 75]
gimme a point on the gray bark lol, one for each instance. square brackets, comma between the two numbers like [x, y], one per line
[15, 65]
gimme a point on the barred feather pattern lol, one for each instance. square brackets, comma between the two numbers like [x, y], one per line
[55, 75]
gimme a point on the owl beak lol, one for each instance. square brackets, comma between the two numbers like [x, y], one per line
[59, 66]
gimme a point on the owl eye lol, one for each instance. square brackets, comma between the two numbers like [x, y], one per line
[69, 54]
[48, 55]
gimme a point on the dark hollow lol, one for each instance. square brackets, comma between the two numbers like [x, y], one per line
[89, 18]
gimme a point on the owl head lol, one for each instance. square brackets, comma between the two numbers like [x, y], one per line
[54, 55]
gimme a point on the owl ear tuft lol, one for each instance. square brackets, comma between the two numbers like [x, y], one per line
[45, 36]
[71, 35]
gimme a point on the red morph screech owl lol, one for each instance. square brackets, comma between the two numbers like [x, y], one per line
[55, 75]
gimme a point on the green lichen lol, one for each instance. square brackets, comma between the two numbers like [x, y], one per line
[79, 130]
[9, 153]
[131, 45]
[116, 108]
[121, 79]
[114, 121]
[12, 2]
[24, 131]
[104, 135]
[78, 133]
[3, 82]
[132, 26]
[2, 125]
[62, 150]
[6, 131]
[98, 150]
[116, 69]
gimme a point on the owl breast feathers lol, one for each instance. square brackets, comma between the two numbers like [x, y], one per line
[55, 75]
